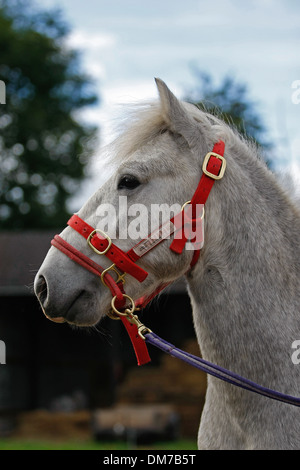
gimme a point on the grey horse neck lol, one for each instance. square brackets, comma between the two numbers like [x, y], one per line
[246, 305]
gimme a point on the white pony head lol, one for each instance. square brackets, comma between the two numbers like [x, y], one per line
[159, 158]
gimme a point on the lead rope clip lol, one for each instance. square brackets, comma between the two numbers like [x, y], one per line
[128, 313]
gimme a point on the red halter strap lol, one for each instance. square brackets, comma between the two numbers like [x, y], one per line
[183, 225]
[102, 245]
[213, 168]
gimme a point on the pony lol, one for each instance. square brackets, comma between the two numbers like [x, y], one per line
[244, 287]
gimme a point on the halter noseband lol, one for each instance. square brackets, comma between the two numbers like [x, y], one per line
[182, 226]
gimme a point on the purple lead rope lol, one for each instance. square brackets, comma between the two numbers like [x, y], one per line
[218, 371]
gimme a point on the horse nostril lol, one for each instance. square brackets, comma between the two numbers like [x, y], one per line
[41, 289]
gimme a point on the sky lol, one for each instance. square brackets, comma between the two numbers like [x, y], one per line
[126, 43]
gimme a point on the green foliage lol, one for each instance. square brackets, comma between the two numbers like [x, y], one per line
[43, 147]
[32, 444]
[230, 102]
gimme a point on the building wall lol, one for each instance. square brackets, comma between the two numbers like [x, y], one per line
[45, 361]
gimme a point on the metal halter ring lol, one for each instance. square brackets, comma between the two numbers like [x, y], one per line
[187, 203]
[115, 315]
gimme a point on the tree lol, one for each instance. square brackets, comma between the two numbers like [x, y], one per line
[231, 103]
[43, 147]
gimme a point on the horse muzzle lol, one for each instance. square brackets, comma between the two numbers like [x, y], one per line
[79, 305]
[41, 291]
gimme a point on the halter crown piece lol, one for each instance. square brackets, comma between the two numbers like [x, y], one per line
[183, 226]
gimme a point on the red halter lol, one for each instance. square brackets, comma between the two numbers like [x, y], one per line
[182, 226]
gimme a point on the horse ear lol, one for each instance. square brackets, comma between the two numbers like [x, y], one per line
[177, 117]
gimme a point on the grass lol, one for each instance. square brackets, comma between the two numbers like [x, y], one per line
[23, 444]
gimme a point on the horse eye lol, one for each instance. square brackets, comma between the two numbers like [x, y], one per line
[128, 182]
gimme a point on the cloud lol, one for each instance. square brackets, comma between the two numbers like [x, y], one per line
[95, 46]
[91, 41]
[126, 44]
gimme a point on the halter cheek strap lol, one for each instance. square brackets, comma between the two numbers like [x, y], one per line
[213, 169]
[183, 226]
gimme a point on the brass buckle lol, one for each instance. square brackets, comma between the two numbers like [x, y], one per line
[120, 277]
[106, 238]
[222, 169]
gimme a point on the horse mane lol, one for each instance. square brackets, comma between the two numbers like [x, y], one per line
[144, 121]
